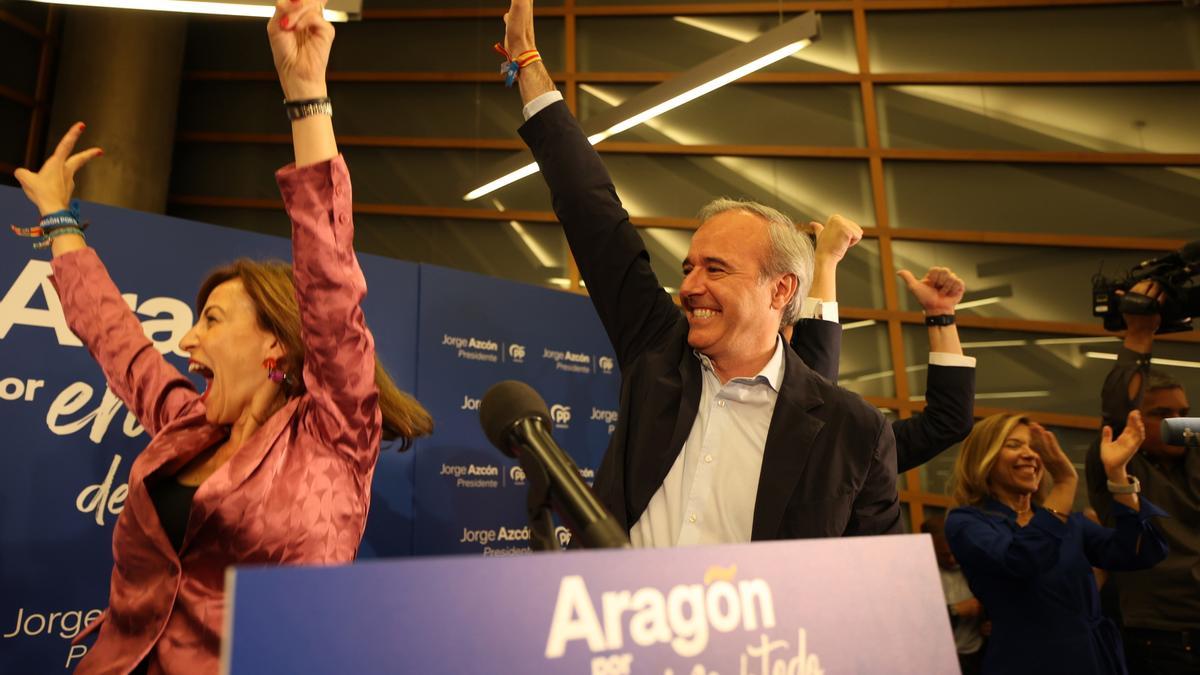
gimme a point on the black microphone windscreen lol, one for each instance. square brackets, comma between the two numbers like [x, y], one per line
[504, 404]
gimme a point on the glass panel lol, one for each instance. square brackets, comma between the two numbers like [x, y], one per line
[936, 473]
[14, 123]
[660, 44]
[667, 248]
[1096, 200]
[805, 189]
[20, 52]
[531, 253]
[815, 115]
[459, 45]
[1041, 371]
[445, 110]
[906, 516]
[859, 283]
[33, 13]
[1115, 118]
[1019, 282]
[380, 175]
[1100, 38]
[866, 365]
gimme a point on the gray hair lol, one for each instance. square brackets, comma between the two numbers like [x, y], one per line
[789, 251]
[1161, 380]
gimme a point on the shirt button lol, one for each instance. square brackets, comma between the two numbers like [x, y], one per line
[708, 459]
[339, 190]
[342, 218]
[692, 518]
[721, 403]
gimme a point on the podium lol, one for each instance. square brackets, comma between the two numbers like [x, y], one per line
[854, 605]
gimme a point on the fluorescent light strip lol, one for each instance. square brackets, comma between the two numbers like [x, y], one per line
[986, 344]
[1105, 356]
[697, 92]
[1013, 394]
[190, 7]
[858, 324]
[978, 303]
[652, 112]
[1075, 341]
[507, 179]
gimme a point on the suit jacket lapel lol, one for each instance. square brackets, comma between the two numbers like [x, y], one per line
[789, 441]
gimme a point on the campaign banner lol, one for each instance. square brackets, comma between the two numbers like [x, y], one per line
[801, 607]
[68, 442]
[476, 331]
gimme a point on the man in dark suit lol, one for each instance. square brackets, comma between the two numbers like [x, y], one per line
[724, 434]
[950, 379]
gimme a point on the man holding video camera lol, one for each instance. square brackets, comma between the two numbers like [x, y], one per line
[1160, 606]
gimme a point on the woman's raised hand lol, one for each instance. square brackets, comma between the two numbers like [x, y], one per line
[300, 41]
[1057, 464]
[1115, 454]
[50, 188]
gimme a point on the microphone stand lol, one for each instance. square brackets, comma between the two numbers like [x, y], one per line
[538, 509]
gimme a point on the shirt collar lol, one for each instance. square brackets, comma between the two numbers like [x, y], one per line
[771, 374]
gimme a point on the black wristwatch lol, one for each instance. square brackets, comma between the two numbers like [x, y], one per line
[940, 320]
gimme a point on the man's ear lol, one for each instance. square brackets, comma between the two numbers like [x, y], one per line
[784, 290]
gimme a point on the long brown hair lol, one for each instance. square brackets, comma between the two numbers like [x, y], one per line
[969, 485]
[271, 288]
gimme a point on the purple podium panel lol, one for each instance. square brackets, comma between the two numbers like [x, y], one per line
[858, 605]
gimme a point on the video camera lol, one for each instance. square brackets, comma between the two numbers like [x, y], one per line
[1175, 273]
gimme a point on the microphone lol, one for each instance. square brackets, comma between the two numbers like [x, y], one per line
[515, 420]
[1189, 253]
[1181, 431]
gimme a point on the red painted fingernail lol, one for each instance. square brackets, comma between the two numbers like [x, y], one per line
[99, 152]
[283, 22]
[82, 126]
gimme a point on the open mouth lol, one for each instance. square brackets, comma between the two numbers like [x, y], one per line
[203, 371]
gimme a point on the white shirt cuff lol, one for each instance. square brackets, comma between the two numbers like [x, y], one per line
[948, 359]
[816, 308]
[536, 105]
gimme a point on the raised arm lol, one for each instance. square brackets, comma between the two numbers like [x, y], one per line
[950, 381]
[339, 363]
[1122, 393]
[153, 390]
[630, 301]
[1135, 543]
[817, 337]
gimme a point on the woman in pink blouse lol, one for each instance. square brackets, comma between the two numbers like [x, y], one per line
[272, 464]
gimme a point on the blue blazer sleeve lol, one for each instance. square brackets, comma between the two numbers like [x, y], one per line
[1135, 543]
[990, 545]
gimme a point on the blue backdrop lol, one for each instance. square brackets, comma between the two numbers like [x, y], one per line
[444, 335]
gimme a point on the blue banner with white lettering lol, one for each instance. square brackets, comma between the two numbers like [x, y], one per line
[476, 331]
[800, 607]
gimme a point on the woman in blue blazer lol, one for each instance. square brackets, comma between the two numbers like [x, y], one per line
[1029, 560]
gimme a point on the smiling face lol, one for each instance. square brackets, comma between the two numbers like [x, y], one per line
[1018, 468]
[227, 346]
[732, 311]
